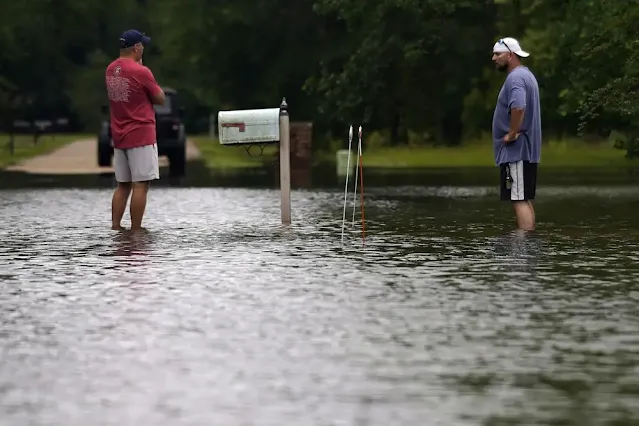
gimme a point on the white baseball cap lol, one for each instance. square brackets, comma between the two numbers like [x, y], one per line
[509, 44]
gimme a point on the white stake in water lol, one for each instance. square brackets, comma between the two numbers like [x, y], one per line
[359, 154]
[348, 166]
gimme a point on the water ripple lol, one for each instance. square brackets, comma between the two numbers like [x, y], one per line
[219, 315]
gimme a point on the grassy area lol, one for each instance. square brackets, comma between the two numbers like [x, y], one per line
[223, 157]
[25, 148]
[554, 154]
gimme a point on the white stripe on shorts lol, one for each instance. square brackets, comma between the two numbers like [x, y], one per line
[517, 174]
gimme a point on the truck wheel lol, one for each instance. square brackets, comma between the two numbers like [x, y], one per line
[177, 163]
[104, 156]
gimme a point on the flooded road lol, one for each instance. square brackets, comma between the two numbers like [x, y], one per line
[220, 316]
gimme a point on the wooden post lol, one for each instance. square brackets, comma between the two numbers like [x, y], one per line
[285, 163]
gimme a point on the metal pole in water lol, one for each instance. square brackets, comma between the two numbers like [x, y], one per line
[348, 166]
[285, 163]
[356, 177]
[361, 182]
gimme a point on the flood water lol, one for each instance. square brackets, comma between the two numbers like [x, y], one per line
[219, 315]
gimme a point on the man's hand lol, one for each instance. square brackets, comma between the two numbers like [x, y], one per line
[510, 137]
[516, 118]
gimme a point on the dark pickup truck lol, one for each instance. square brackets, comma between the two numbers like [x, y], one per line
[170, 133]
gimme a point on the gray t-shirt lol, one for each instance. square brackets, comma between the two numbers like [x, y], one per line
[520, 90]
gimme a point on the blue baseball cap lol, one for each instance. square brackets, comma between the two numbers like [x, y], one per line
[130, 38]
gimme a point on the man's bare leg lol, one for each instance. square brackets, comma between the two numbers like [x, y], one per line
[118, 204]
[532, 209]
[525, 215]
[138, 204]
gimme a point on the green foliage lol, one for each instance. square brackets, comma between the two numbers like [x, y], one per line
[87, 93]
[399, 64]
[376, 139]
[611, 52]
[412, 72]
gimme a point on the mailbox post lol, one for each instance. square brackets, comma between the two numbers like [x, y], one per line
[258, 127]
[285, 163]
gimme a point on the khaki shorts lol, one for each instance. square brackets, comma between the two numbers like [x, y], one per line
[136, 164]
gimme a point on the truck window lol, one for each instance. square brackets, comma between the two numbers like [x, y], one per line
[166, 108]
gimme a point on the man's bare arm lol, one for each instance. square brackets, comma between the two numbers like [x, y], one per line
[153, 89]
[516, 119]
[159, 98]
[517, 105]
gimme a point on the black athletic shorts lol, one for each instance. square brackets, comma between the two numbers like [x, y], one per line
[518, 181]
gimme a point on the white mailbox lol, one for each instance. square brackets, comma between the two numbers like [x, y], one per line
[249, 126]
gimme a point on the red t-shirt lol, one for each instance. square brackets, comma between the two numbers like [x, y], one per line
[130, 86]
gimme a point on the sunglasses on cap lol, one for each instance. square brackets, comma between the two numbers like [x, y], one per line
[502, 41]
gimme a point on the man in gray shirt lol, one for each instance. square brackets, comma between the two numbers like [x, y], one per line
[517, 131]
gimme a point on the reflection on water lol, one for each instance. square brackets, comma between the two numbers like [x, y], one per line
[198, 175]
[219, 315]
[133, 244]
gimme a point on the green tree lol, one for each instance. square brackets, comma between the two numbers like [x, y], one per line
[400, 64]
[610, 51]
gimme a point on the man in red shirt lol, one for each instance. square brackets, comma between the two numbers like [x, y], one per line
[132, 91]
